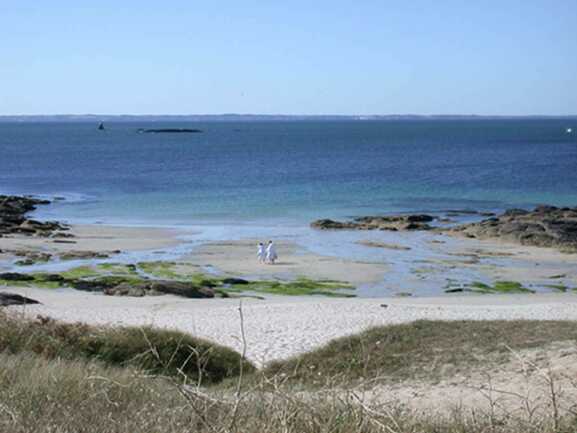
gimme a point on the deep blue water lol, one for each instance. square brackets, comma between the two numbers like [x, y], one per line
[289, 172]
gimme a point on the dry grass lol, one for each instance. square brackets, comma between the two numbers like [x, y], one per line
[152, 350]
[62, 396]
[63, 392]
[425, 350]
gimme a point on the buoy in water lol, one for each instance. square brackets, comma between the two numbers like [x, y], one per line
[569, 130]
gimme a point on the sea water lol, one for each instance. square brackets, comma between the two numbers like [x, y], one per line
[288, 172]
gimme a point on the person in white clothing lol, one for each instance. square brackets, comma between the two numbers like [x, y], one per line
[271, 254]
[261, 253]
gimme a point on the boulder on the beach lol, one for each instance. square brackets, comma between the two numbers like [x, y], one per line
[84, 255]
[545, 226]
[122, 287]
[15, 276]
[235, 281]
[180, 288]
[15, 299]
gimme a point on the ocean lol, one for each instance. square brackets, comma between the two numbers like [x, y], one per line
[288, 172]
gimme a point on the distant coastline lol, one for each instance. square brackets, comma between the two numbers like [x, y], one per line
[261, 117]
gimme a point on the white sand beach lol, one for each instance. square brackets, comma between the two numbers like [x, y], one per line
[281, 327]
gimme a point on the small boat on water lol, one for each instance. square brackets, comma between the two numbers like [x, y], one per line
[101, 126]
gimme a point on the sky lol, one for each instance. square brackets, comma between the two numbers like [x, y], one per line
[507, 57]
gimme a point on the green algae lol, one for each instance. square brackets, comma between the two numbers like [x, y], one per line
[559, 287]
[117, 268]
[500, 287]
[298, 287]
[160, 269]
[80, 272]
[112, 274]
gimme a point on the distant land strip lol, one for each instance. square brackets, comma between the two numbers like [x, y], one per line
[256, 117]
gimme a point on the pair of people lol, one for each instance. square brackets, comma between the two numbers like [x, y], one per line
[268, 254]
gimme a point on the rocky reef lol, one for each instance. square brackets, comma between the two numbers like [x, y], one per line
[390, 222]
[545, 226]
[158, 278]
[13, 220]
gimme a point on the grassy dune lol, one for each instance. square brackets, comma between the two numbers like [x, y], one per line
[419, 350]
[152, 350]
[57, 378]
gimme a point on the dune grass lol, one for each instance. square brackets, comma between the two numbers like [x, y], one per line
[426, 350]
[61, 395]
[154, 350]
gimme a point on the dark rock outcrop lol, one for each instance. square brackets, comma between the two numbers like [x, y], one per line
[157, 287]
[122, 287]
[14, 299]
[391, 222]
[545, 226]
[170, 131]
[13, 220]
[15, 276]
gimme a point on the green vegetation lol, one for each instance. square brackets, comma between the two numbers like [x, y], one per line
[80, 272]
[559, 287]
[500, 287]
[478, 287]
[160, 269]
[152, 350]
[108, 275]
[117, 268]
[33, 283]
[57, 378]
[422, 350]
[298, 287]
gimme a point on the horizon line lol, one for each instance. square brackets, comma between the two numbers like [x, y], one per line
[356, 116]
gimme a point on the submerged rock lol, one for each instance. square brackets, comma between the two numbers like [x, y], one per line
[545, 226]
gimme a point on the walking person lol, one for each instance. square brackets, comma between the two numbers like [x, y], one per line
[271, 254]
[261, 253]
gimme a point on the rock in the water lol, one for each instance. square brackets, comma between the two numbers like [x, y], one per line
[170, 131]
[13, 210]
[390, 222]
[14, 299]
[546, 226]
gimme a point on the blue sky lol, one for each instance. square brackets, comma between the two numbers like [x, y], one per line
[295, 57]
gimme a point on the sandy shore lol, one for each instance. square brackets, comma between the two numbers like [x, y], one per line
[239, 258]
[281, 327]
[97, 238]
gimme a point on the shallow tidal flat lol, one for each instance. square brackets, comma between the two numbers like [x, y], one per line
[155, 273]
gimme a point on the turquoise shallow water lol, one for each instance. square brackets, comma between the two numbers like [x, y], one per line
[288, 173]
